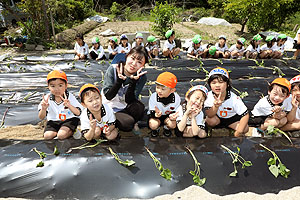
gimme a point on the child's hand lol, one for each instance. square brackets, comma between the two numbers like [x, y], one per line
[218, 102]
[66, 101]
[93, 122]
[195, 112]
[158, 113]
[173, 116]
[295, 103]
[276, 109]
[106, 130]
[45, 103]
[138, 74]
[120, 69]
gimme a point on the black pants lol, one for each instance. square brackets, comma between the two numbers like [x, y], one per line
[94, 56]
[127, 117]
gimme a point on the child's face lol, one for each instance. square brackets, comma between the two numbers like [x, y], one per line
[276, 96]
[196, 100]
[218, 86]
[124, 42]
[96, 45]
[281, 42]
[163, 91]
[222, 41]
[57, 87]
[172, 37]
[239, 45]
[258, 42]
[111, 43]
[296, 92]
[133, 63]
[92, 101]
[79, 41]
[139, 40]
[198, 45]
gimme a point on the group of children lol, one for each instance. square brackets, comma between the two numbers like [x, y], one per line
[116, 106]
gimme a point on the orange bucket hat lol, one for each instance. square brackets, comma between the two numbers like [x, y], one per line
[86, 86]
[57, 74]
[167, 79]
[283, 82]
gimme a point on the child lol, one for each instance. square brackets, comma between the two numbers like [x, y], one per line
[210, 52]
[96, 119]
[223, 107]
[97, 51]
[267, 50]
[222, 48]
[195, 50]
[162, 105]
[61, 108]
[170, 49]
[253, 49]
[280, 45]
[152, 47]
[113, 47]
[237, 50]
[124, 46]
[81, 48]
[297, 44]
[271, 110]
[190, 120]
[122, 85]
[138, 40]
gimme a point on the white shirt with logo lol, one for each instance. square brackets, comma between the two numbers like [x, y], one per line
[82, 50]
[171, 107]
[252, 50]
[223, 49]
[192, 48]
[107, 118]
[199, 118]
[126, 49]
[57, 111]
[280, 48]
[231, 106]
[134, 44]
[234, 48]
[265, 47]
[111, 50]
[99, 51]
[168, 45]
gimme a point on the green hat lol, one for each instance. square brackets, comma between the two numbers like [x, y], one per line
[196, 40]
[95, 40]
[269, 38]
[139, 35]
[114, 39]
[257, 37]
[198, 36]
[282, 36]
[151, 38]
[212, 50]
[242, 40]
[169, 33]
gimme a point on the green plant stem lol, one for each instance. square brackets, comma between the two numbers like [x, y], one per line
[272, 152]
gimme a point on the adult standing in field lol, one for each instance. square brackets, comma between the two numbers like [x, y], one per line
[297, 44]
[123, 82]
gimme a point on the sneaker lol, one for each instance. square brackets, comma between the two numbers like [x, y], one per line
[154, 133]
[167, 132]
[256, 133]
[77, 134]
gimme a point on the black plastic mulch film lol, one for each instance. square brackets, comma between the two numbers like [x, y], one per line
[94, 174]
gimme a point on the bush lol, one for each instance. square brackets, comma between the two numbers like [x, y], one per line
[115, 9]
[165, 17]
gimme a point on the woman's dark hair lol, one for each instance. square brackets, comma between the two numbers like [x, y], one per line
[140, 51]
[284, 89]
[79, 35]
[220, 78]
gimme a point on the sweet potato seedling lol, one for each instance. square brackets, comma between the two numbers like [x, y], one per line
[44, 155]
[236, 158]
[275, 168]
[271, 130]
[196, 172]
[126, 163]
[86, 145]
[165, 173]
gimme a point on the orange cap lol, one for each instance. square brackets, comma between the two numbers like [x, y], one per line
[57, 74]
[86, 86]
[167, 79]
[283, 82]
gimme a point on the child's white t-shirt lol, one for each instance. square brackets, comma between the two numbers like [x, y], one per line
[264, 107]
[265, 47]
[199, 118]
[134, 44]
[234, 48]
[280, 48]
[191, 49]
[296, 37]
[110, 50]
[231, 106]
[57, 111]
[99, 51]
[223, 49]
[252, 50]
[107, 118]
[126, 49]
[170, 107]
[168, 45]
[151, 47]
[82, 50]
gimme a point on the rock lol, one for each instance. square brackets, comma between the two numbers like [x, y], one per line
[213, 21]
[108, 32]
[30, 47]
[39, 48]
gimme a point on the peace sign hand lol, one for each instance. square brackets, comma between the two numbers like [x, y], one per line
[158, 113]
[92, 122]
[106, 130]
[218, 102]
[45, 103]
[195, 112]
[66, 101]
[173, 116]
[120, 70]
[138, 74]
[295, 102]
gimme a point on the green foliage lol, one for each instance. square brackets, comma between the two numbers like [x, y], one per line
[87, 145]
[196, 172]
[126, 163]
[164, 15]
[236, 158]
[44, 155]
[274, 167]
[115, 9]
[217, 7]
[271, 130]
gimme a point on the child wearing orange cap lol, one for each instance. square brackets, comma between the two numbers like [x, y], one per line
[163, 105]
[97, 119]
[61, 107]
[272, 109]
[224, 108]
[190, 120]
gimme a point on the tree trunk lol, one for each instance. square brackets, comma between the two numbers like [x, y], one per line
[244, 24]
[46, 21]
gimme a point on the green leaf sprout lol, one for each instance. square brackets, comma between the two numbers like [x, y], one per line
[196, 172]
[127, 163]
